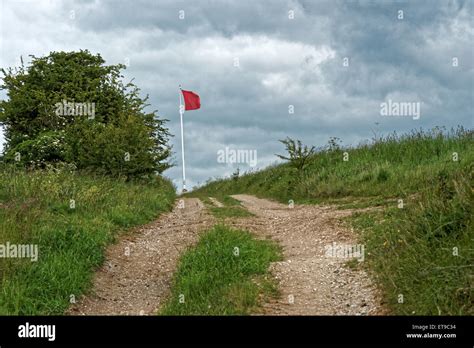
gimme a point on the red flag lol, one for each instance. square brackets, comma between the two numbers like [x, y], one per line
[191, 100]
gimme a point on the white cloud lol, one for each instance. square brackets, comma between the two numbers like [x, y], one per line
[282, 62]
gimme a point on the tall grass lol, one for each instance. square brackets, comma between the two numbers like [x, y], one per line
[393, 166]
[422, 254]
[35, 208]
[423, 250]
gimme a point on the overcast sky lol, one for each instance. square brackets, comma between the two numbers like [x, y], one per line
[254, 61]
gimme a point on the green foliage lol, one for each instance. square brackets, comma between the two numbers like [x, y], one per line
[394, 166]
[424, 250]
[235, 175]
[383, 175]
[35, 208]
[298, 154]
[229, 201]
[228, 212]
[46, 148]
[218, 276]
[411, 249]
[71, 107]
[334, 144]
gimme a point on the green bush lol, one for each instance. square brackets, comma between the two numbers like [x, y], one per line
[44, 149]
[71, 107]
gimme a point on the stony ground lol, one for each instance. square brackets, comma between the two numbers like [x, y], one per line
[136, 278]
[311, 283]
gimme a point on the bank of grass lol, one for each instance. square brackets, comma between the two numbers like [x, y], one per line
[35, 208]
[422, 254]
[409, 250]
[226, 273]
[392, 167]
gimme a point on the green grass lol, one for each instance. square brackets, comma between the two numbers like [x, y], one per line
[35, 209]
[229, 212]
[229, 201]
[232, 208]
[413, 250]
[410, 249]
[395, 166]
[226, 273]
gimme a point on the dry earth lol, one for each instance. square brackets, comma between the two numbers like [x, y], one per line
[137, 274]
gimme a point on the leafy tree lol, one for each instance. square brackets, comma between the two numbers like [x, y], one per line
[298, 153]
[71, 107]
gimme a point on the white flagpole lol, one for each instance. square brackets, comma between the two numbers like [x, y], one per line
[181, 111]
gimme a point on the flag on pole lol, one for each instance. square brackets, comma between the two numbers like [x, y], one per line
[191, 100]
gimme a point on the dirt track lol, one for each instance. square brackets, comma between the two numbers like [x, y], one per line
[311, 283]
[137, 284]
[135, 279]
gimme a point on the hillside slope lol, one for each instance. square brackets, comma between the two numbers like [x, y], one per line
[69, 218]
[419, 246]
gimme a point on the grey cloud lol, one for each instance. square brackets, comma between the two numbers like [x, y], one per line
[282, 62]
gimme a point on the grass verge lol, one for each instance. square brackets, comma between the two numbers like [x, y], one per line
[422, 254]
[232, 208]
[422, 251]
[71, 218]
[395, 166]
[226, 273]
